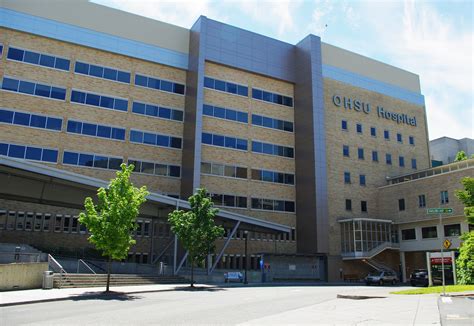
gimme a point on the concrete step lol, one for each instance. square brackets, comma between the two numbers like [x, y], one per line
[92, 280]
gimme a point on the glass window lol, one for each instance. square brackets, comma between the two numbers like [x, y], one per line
[205, 168]
[81, 68]
[121, 105]
[401, 161]
[178, 88]
[96, 71]
[444, 197]
[6, 116]
[104, 131]
[175, 142]
[175, 171]
[47, 60]
[166, 86]
[363, 206]
[32, 57]
[208, 82]
[92, 99]
[421, 201]
[100, 161]
[177, 115]
[16, 151]
[123, 77]
[27, 87]
[375, 156]
[257, 120]
[74, 126]
[348, 205]
[218, 140]
[70, 158]
[38, 121]
[231, 115]
[360, 153]
[347, 177]
[243, 91]
[136, 136]
[452, 230]
[21, 119]
[362, 179]
[359, 128]
[54, 123]
[153, 83]
[413, 163]
[33, 153]
[231, 88]
[110, 74]
[229, 171]
[208, 110]
[373, 131]
[411, 140]
[219, 112]
[257, 94]
[345, 150]
[256, 147]
[429, 232]
[217, 169]
[206, 138]
[89, 129]
[79, 97]
[241, 173]
[86, 159]
[399, 138]
[15, 54]
[62, 64]
[386, 134]
[138, 107]
[42, 90]
[50, 155]
[141, 80]
[105, 102]
[58, 93]
[401, 204]
[10, 84]
[344, 125]
[149, 168]
[409, 234]
[388, 159]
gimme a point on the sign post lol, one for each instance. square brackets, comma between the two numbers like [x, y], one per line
[440, 212]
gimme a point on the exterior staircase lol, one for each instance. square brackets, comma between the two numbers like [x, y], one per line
[69, 280]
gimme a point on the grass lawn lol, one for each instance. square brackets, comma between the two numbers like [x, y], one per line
[437, 289]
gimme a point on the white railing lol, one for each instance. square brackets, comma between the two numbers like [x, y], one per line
[370, 253]
[54, 265]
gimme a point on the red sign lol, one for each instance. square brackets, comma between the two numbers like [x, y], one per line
[438, 261]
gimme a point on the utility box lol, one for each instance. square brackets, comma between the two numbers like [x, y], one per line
[48, 280]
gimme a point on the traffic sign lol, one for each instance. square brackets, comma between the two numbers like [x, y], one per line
[447, 243]
[439, 210]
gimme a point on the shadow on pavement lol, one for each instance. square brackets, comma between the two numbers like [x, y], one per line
[106, 296]
[200, 288]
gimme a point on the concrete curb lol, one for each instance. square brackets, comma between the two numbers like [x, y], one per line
[358, 297]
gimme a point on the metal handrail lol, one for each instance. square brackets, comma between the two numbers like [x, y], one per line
[85, 264]
[62, 271]
[372, 252]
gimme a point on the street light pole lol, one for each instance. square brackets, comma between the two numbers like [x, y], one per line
[246, 233]
[442, 253]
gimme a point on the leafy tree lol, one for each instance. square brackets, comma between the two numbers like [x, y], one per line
[460, 156]
[196, 229]
[113, 219]
[465, 260]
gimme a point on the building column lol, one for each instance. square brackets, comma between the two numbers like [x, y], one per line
[404, 267]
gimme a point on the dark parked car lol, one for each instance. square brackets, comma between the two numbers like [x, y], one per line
[381, 278]
[419, 277]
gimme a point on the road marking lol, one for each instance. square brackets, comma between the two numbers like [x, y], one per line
[446, 300]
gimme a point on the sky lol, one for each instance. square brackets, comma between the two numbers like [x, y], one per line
[433, 39]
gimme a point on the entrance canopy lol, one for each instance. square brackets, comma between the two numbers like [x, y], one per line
[26, 181]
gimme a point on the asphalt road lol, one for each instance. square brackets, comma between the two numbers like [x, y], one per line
[253, 306]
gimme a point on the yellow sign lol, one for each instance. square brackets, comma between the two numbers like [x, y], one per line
[447, 243]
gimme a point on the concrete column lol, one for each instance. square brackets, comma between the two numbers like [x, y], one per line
[404, 267]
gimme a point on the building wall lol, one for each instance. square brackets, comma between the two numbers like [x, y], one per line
[375, 172]
[445, 148]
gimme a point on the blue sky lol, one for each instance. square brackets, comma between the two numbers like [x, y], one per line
[433, 39]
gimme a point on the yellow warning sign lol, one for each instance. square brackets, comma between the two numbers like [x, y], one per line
[447, 243]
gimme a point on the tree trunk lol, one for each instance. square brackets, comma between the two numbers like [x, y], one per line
[192, 273]
[108, 273]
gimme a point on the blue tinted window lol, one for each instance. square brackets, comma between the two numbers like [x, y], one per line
[6, 116]
[219, 85]
[178, 88]
[267, 96]
[32, 57]
[26, 87]
[16, 151]
[161, 140]
[123, 77]
[151, 110]
[230, 142]
[89, 129]
[110, 74]
[70, 158]
[121, 105]
[104, 131]
[344, 125]
[82, 68]
[74, 126]
[241, 144]
[412, 140]
[359, 128]
[362, 179]
[107, 102]
[118, 133]
[242, 117]
[175, 142]
[153, 83]
[373, 131]
[219, 112]
[15, 54]
[257, 120]
[3, 149]
[33, 153]
[267, 122]
[100, 161]
[218, 140]
[208, 110]
[140, 80]
[62, 64]
[21, 119]
[388, 158]
[10, 84]
[96, 71]
[165, 113]
[375, 156]
[138, 107]
[360, 153]
[267, 148]
[50, 155]
[231, 115]
[86, 159]
[401, 161]
[136, 136]
[177, 115]
[347, 177]
[386, 134]
[242, 90]
[208, 82]
[54, 123]
[231, 88]
[38, 121]
[58, 93]
[42, 90]
[166, 86]
[149, 138]
[413, 163]
[78, 97]
[206, 138]
[257, 94]
[256, 147]
[272, 97]
[345, 150]
[47, 60]
[92, 99]
[399, 138]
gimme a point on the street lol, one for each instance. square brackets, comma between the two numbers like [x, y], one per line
[233, 305]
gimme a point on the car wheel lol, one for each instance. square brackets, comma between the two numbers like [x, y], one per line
[381, 282]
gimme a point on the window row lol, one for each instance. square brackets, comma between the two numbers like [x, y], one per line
[43, 222]
[167, 170]
[30, 120]
[102, 72]
[29, 152]
[259, 120]
[272, 97]
[224, 141]
[273, 205]
[224, 113]
[363, 205]
[103, 101]
[272, 149]
[273, 176]
[229, 200]
[443, 199]
[159, 84]
[148, 138]
[224, 170]
[373, 132]
[431, 232]
[92, 160]
[224, 86]
[347, 178]
[33, 88]
[375, 157]
[36, 58]
[157, 111]
[91, 129]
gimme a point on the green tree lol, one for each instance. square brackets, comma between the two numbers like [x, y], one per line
[460, 156]
[196, 229]
[465, 260]
[113, 219]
